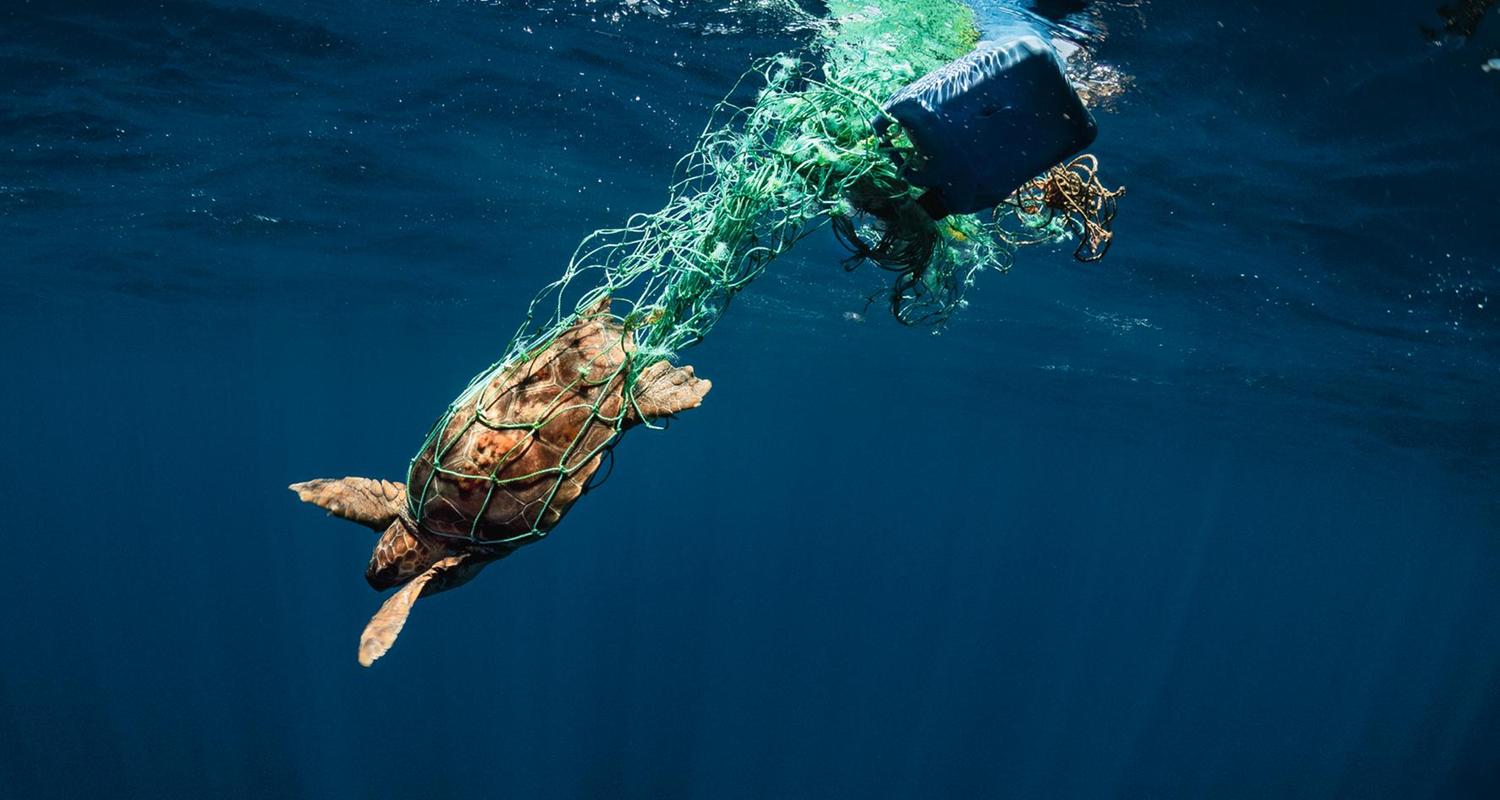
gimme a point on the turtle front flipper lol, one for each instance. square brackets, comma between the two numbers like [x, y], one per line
[372, 503]
[386, 625]
[663, 390]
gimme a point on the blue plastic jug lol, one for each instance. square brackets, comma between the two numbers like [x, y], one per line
[985, 124]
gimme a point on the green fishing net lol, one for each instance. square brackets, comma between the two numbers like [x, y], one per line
[761, 176]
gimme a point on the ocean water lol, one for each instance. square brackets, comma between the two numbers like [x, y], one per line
[1216, 517]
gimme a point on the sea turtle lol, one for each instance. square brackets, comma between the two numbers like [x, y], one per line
[504, 464]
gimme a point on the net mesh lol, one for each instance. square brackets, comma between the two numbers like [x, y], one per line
[761, 176]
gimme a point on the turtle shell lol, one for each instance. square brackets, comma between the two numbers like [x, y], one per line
[513, 454]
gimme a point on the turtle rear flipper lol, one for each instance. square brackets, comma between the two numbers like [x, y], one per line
[401, 555]
[372, 503]
[386, 625]
[663, 390]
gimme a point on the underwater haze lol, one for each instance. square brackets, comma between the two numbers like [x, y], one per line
[1215, 517]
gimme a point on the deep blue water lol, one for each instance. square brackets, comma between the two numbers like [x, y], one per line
[1216, 517]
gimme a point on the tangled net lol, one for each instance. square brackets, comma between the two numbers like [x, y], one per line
[760, 178]
[1070, 197]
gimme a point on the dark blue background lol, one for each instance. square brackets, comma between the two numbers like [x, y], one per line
[1214, 518]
